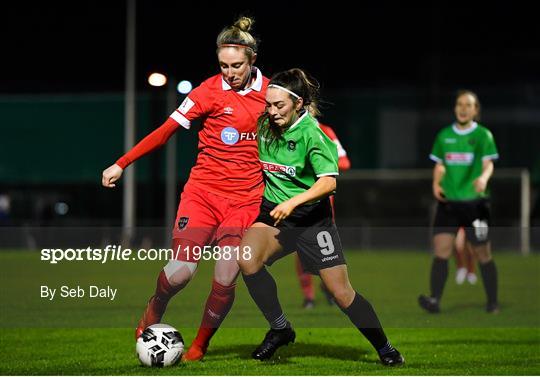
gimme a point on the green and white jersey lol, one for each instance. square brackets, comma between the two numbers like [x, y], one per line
[462, 153]
[292, 163]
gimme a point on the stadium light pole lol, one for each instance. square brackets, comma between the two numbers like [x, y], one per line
[129, 210]
[525, 222]
[170, 163]
[173, 88]
[159, 80]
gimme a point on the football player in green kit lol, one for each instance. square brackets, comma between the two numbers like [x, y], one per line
[300, 165]
[463, 153]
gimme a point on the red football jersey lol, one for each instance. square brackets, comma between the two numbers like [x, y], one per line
[343, 161]
[228, 159]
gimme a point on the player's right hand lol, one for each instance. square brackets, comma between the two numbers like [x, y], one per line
[282, 211]
[438, 193]
[111, 175]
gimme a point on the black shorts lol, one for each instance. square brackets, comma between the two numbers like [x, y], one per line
[473, 216]
[311, 232]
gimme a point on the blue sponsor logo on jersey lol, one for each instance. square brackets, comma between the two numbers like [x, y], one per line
[230, 135]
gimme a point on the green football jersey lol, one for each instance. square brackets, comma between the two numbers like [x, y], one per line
[462, 153]
[292, 163]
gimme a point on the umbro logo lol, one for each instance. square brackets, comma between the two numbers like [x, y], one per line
[228, 110]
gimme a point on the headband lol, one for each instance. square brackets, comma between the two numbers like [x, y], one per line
[233, 45]
[284, 89]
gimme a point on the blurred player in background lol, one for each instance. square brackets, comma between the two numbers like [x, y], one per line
[463, 155]
[222, 196]
[465, 260]
[300, 164]
[306, 282]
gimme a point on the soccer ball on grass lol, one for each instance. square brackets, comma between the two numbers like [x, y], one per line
[160, 345]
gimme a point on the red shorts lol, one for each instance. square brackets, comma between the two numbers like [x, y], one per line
[206, 219]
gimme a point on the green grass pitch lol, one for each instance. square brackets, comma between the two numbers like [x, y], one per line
[81, 336]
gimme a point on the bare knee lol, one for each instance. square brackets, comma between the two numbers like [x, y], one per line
[258, 245]
[226, 271]
[343, 295]
[179, 273]
[179, 282]
[482, 252]
[226, 279]
[443, 245]
[250, 263]
[250, 266]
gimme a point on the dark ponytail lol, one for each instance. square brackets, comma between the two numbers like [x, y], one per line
[300, 83]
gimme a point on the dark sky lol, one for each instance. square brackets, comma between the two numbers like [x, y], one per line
[50, 46]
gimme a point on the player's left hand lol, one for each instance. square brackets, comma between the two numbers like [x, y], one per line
[480, 184]
[282, 211]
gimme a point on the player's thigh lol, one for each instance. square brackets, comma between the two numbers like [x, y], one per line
[195, 226]
[259, 244]
[236, 219]
[445, 227]
[446, 219]
[460, 241]
[477, 216]
[337, 282]
[319, 246]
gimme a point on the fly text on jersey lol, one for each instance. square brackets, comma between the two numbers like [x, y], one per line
[231, 136]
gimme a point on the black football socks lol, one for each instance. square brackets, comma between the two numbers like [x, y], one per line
[362, 315]
[263, 290]
[489, 276]
[439, 274]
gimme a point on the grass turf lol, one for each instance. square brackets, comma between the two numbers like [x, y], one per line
[77, 336]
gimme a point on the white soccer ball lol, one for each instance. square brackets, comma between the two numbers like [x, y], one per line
[160, 345]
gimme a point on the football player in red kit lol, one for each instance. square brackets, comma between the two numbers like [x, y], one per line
[223, 193]
[465, 260]
[306, 282]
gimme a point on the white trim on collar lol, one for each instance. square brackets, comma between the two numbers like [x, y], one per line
[465, 131]
[306, 113]
[224, 84]
[257, 85]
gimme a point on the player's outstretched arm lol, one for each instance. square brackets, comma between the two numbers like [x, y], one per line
[151, 142]
[323, 187]
[111, 175]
